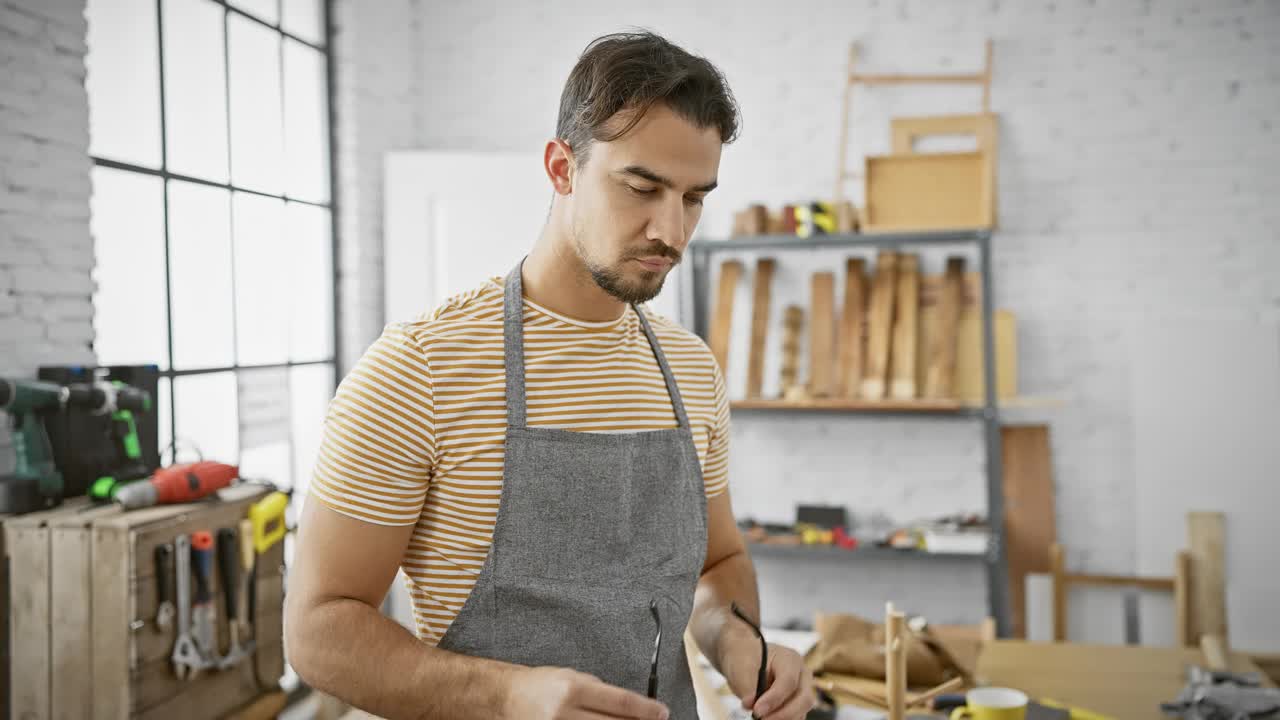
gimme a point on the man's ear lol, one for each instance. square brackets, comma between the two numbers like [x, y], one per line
[560, 165]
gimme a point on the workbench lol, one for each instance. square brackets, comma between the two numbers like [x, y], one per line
[1121, 681]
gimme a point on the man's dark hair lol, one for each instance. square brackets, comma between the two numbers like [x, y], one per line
[632, 71]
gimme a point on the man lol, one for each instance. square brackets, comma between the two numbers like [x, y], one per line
[545, 459]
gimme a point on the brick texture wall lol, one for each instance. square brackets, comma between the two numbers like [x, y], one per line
[46, 252]
[380, 108]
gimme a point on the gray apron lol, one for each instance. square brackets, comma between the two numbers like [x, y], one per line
[591, 528]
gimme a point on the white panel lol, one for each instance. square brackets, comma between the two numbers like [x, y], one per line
[207, 416]
[200, 269]
[195, 89]
[257, 135]
[1206, 399]
[263, 297]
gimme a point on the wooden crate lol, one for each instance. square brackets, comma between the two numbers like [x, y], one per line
[928, 191]
[83, 605]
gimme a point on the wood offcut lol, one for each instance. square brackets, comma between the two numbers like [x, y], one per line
[759, 326]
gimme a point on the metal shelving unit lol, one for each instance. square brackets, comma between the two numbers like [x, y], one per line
[701, 253]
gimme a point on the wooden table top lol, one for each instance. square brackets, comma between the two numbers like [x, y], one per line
[1124, 682]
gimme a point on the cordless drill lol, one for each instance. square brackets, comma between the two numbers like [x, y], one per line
[35, 483]
[121, 401]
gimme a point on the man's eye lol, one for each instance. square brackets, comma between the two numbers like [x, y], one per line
[640, 191]
[693, 200]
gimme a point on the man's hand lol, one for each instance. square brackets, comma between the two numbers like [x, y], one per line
[789, 694]
[548, 693]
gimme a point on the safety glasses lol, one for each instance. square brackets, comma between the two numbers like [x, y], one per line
[657, 645]
[762, 675]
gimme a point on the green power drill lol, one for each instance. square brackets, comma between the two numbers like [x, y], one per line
[121, 401]
[35, 483]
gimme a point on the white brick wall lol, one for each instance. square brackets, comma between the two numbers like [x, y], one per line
[1138, 147]
[380, 108]
[46, 253]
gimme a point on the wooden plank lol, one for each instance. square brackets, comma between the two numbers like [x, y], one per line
[852, 324]
[903, 348]
[1029, 517]
[1206, 535]
[112, 569]
[982, 126]
[759, 325]
[722, 320]
[708, 698]
[27, 546]
[1182, 599]
[1155, 584]
[895, 663]
[941, 366]
[793, 322]
[821, 335]
[836, 403]
[879, 326]
[71, 611]
[970, 381]
[5, 696]
[1214, 648]
[1118, 681]
[929, 191]
[1057, 570]
[264, 708]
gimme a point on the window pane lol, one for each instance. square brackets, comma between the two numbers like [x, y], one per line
[310, 282]
[306, 122]
[195, 89]
[269, 463]
[262, 293]
[200, 260]
[127, 221]
[310, 388]
[257, 145]
[123, 81]
[261, 9]
[264, 426]
[205, 409]
[305, 19]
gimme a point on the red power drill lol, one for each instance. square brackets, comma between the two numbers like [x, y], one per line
[177, 483]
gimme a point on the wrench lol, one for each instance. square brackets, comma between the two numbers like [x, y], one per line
[164, 605]
[187, 660]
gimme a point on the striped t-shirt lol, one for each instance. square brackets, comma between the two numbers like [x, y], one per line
[416, 432]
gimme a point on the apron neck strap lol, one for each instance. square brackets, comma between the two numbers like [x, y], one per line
[513, 354]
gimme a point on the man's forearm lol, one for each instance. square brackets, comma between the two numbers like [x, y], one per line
[351, 651]
[733, 579]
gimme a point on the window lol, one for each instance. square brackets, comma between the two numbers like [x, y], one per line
[213, 222]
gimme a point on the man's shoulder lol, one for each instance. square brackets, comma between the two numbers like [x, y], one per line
[477, 309]
[675, 336]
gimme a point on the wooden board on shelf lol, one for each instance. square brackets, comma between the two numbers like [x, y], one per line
[903, 349]
[940, 367]
[933, 191]
[792, 325]
[1206, 537]
[879, 326]
[759, 325]
[722, 319]
[1028, 510]
[906, 131]
[970, 381]
[855, 404]
[821, 331]
[852, 324]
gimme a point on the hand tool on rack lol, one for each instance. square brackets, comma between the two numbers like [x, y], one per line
[186, 482]
[229, 560]
[267, 516]
[187, 658]
[164, 603]
[203, 612]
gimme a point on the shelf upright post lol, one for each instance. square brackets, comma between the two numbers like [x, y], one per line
[700, 258]
[997, 567]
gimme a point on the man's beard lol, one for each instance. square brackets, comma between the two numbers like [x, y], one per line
[615, 281]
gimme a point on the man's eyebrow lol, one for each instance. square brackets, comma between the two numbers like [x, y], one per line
[644, 172]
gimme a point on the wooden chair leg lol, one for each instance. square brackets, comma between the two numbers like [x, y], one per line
[1058, 573]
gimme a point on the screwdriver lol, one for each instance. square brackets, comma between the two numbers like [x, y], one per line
[202, 610]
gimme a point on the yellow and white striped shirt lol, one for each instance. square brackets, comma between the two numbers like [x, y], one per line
[416, 432]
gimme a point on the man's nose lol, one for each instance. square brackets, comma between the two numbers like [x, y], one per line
[667, 224]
